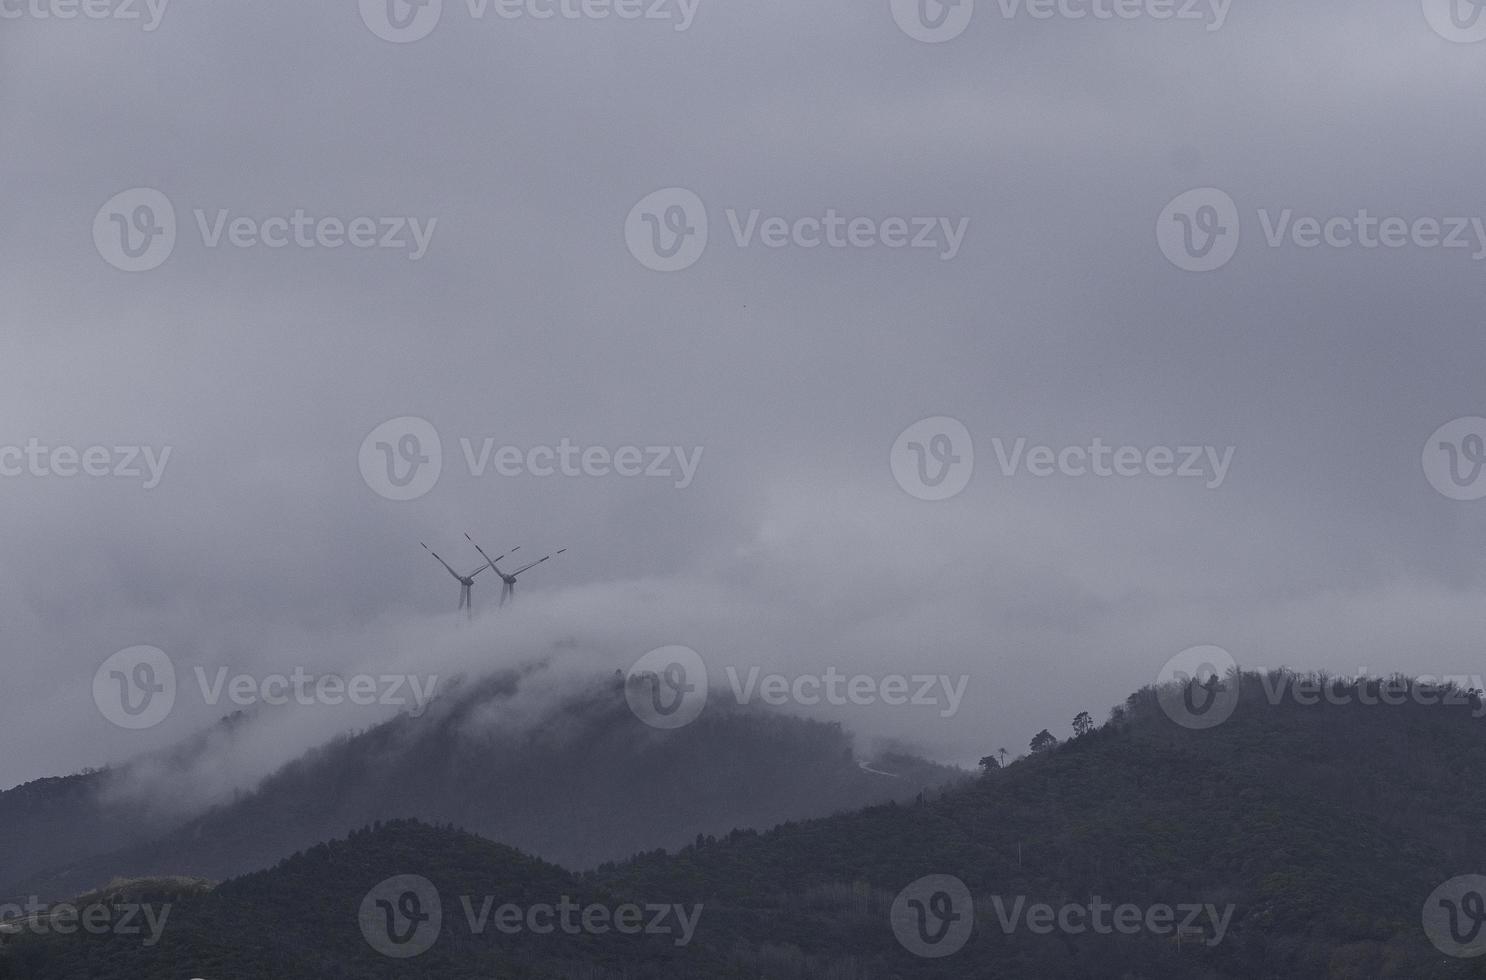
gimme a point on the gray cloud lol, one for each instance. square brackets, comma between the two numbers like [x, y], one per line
[528, 321]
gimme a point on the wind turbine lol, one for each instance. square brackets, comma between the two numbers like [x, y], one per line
[508, 582]
[490, 564]
[466, 582]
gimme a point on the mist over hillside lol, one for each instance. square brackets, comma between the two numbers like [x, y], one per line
[59, 819]
[580, 781]
[1296, 839]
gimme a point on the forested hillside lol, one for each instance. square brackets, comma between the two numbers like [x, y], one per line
[1308, 838]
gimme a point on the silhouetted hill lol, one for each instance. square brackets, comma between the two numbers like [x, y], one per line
[585, 782]
[47, 822]
[1315, 833]
[303, 918]
[1326, 827]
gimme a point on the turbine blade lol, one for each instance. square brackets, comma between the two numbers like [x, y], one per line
[525, 567]
[488, 560]
[441, 561]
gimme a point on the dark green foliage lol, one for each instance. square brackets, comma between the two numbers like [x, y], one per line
[1082, 724]
[1325, 826]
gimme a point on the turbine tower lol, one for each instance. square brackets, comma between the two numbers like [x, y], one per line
[466, 582]
[508, 582]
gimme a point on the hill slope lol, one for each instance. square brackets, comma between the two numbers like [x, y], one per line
[586, 782]
[63, 819]
[1315, 834]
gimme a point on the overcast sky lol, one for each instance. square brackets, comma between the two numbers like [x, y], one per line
[1052, 144]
